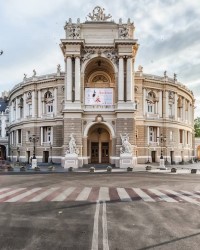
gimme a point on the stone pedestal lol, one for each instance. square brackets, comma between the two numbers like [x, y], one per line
[34, 163]
[71, 160]
[162, 164]
[126, 160]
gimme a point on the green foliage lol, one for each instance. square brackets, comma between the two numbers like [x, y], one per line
[197, 127]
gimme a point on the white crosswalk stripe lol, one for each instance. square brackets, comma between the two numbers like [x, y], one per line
[23, 195]
[84, 194]
[184, 197]
[4, 189]
[190, 194]
[143, 195]
[162, 196]
[11, 192]
[123, 194]
[64, 194]
[41, 196]
[104, 194]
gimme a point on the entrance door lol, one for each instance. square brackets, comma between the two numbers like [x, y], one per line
[46, 156]
[105, 152]
[153, 156]
[94, 152]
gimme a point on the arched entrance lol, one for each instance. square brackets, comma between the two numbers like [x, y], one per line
[99, 144]
[2, 152]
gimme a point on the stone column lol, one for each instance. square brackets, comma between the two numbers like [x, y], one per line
[113, 146]
[25, 105]
[33, 103]
[166, 104]
[84, 146]
[68, 84]
[77, 79]
[175, 106]
[121, 80]
[183, 114]
[144, 102]
[160, 104]
[55, 102]
[148, 135]
[129, 81]
[17, 108]
[39, 103]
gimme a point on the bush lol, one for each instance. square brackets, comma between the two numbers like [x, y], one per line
[129, 169]
[37, 168]
[10, 168]
[193, 171]
[148, 167]
[70, 169]
[22, 168]
[109, 169]
[173, 170]
[92, 169]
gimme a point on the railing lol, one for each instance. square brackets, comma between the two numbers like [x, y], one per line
[152, 116]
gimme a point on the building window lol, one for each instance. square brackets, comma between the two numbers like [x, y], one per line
[48, 98]
[150, 108]
[46, 134]
[170, 110]
[152, 134]
[19, 136]
[181, 136]
[30, 109]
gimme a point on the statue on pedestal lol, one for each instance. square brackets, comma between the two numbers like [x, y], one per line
[126, 146]
[72, 148]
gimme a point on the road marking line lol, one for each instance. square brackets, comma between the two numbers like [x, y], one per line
[123, 194]
[105, 228]
[104, 194]
[21, 196]
[84, 194]
[3, 190]
[11, 192]
[41, 196]
[95, 228]
[64, 194]
[162, 195]
[190, 194]
[184, 197]
[143, 195]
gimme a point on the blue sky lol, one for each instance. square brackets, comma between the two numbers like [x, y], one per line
[168, 32]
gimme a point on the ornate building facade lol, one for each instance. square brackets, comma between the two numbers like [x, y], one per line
[99, 98]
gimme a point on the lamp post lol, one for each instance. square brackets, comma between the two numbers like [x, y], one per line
[50, 146]
[34, 139]
[148, 154]
[162, 139]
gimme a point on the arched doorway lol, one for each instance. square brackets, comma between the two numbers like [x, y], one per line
[2, 152]
[99, 144]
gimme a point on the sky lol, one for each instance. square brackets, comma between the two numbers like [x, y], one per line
[168, 32]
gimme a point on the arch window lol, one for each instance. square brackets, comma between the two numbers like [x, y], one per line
[151, 102]
[48, 99]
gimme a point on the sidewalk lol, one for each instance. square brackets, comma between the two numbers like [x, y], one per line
[57, 168]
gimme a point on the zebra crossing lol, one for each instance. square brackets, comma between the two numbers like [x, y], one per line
[93, 194]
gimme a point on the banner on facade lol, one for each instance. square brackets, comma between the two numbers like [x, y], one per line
[98, 96]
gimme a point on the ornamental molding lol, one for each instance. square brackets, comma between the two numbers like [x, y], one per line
[111, 54]
[98, 15]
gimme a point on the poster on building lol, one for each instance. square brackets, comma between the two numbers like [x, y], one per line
[98, 96]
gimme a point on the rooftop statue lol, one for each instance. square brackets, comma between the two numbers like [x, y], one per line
[98, 14]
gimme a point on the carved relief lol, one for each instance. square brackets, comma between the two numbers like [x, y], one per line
[126, 146]
[124, 32]
[72, 148]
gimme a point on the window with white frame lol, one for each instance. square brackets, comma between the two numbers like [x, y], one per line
[46, 134]
[150, 108]
[48, 98]
[152, 134]
[170, 110]
[29, 109]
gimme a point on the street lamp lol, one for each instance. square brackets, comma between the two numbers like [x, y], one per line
[34, 139]
[148, 154]
[162, 139]
[50, 146]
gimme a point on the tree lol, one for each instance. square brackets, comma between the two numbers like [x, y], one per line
[197, 127]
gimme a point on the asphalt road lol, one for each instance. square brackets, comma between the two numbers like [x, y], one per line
[100, 211]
